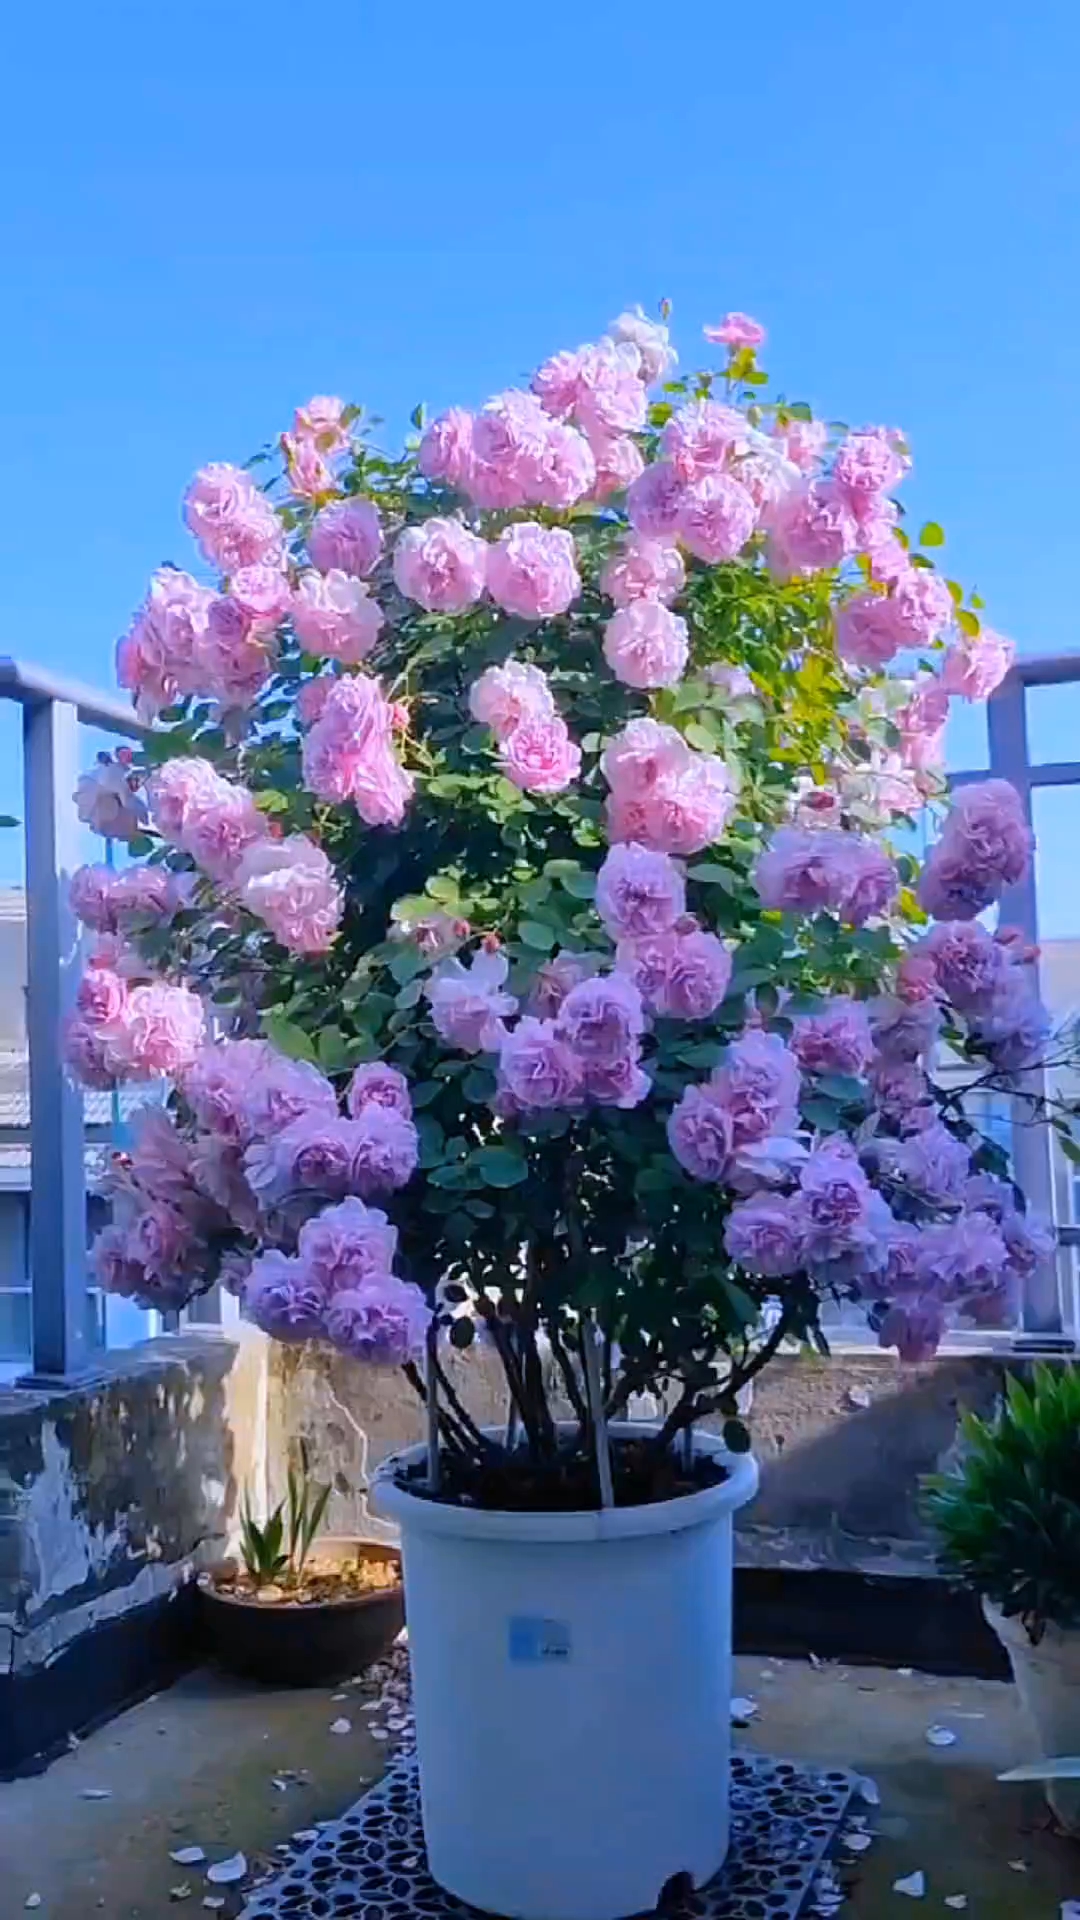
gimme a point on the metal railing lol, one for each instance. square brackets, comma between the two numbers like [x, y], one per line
[53, 709]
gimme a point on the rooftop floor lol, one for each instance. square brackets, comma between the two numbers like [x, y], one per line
[197, 1767]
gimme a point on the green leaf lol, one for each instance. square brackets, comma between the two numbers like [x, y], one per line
[333, 1050]
[501, 1166]
[288, 1038]
[9, 820]
[536, 934]
[968, 621]
[709, 874]
[478, 1086]
[932, 535]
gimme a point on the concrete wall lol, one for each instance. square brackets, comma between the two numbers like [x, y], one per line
[110, 1493]
[842, 1443]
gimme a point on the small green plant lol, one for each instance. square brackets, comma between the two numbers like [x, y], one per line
[1008, 1516]
[275, 1553]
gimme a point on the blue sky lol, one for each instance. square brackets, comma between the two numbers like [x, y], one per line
[209, 211]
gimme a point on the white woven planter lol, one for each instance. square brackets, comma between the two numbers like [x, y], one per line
[1048, 1681]
[571, 1682]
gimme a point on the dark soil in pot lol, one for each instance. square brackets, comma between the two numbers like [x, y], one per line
[566, 1483]
[345, 1615]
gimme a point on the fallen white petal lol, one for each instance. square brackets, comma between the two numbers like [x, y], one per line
[906, 1673]
[96, 1793]
[958, 1901]
[858, 1842]
[304, 1836]
[743, 1707]
[281, 1786]
[868, 1790]
[940, 1737]
[341, 1726]
[858, 1397]
[182, 1892]
[379, 1733]
[914, 1886]
[188, 1856]
[1019, 1866]
[224, 1872]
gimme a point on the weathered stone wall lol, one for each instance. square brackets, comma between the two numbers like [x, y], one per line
[111, 1492]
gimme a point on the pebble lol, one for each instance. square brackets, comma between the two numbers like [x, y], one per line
[188, 1856]
[341, 1726]
[940, 1737]
[913, 1884]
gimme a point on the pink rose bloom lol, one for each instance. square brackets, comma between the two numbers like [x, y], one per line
[867, 631]
[758, 1086]
[234, 656]
[91, 896]
[762, 1235]
[445, 452]
[646, 645]
[262, 593]
[221, 829]
[805, 871]
[108, 800]
[810, 527]
[966, 1257]
[619, 1083]
[879, 541]
[347, 1245]
[312, 696]
[539, 756]
[376, 1083]
[619, 462]
[334, 613]
[803, 442]
[650, 338]
[601, 1019]
[567, 469]
[322, 420]
[643, 570]
[145, 893]
[975, 665]
[985, 846]
[160, 1238]
[901, 1094]
[557, 381]
[867, 464]
[504, 696]
[639, 892]
[441, 565]
[348, 753]
[179, 790]
[969, 966]
[283, 1298]
[509, 442]
[1014, 1029]
[468, 1003]
[385, 1149]
[233, 523]
[113, 1266]
[684, 976]
[290, 886]
[688, 809]
[934, 1163]
[555, 978]
[383, 1323]
[915, 1330]
[275, 1091]
[532, 570]
[160, 1030]
[700, 1135]
[347, 536]
[653, 501]
[735, 330]
[836, 1040]
[700, 436]
[155, 658]
[309, 474]
[610, 396]
[835, 1212]
[217, 1082]
[101, 996]
[538, 1071]
[638, 757]
[312, 1155]
[904, 1029]
[716, 517]
[87, 1054]
[923, 605]
[1029, 1241]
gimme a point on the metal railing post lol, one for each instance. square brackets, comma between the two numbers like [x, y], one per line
[58, 1271]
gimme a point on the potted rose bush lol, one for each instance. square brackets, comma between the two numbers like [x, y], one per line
[527, 930]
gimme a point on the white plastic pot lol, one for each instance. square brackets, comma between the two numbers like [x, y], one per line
[1047, 1679]
[572, 1688]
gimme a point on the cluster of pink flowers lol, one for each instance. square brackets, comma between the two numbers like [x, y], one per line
[127, 1027]
[665, 795]
[340, 1286]
[984, 847]
[319, 434]
[349, 752]
[114, 900]
[109, 798]
[334, 613]
[590, 1051]
[806, 871]
[536, 751]
[645, 645]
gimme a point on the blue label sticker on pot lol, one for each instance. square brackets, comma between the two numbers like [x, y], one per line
[531, 1640]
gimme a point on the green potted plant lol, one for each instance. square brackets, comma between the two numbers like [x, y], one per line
[300, 1610]
[1007, 1517]
[530, 811]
